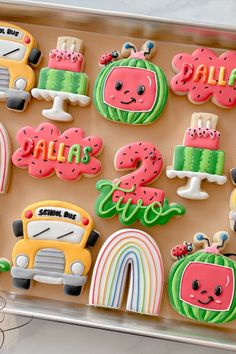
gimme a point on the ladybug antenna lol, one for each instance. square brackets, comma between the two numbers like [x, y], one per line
[220, 238]
[199, 238]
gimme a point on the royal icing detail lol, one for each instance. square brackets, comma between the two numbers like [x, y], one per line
[232, 213]
[53, 250]
[199, 158]
[63, 80]
[44, 150]
[128, 196]
[5, 162]
[203, 75]
[18, 53]
[124, 249]
[201, 285]
[130, 90]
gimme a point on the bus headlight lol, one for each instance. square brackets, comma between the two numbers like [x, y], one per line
[20, 83]
[77, 268]
[22, 261]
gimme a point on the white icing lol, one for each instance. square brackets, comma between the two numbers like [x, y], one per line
[11, 33]
[16, 50]
[55, 212]
[192, 190]
[59, 99]
[5, 163]
[55, 230]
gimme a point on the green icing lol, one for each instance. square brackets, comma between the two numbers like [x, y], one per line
[194, 312]
[198, 160]
[63, 81]
[130, 117]
[148, 215]
[4, 266]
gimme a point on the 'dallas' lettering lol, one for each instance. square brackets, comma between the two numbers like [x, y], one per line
[53, 151]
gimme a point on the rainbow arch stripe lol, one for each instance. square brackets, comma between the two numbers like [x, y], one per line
[124, 249]
[5, 159]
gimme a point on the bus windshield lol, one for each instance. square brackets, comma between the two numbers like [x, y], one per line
[11, 50]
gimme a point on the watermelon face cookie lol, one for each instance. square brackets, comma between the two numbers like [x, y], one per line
[130, 90]
[201, 285]
[128, 196]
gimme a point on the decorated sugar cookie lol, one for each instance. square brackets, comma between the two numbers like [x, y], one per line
[128, 196]
[199, 158]
[18, 56]
[45, 150]
[130, 89]
[53, 249]
[63, 81]
[135, 250]
[5, 159]
[232, 213]
[203, 75]
[201, 285]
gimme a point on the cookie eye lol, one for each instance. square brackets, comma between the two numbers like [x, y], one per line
[218, 290]
[118, 85]
[140, 89]
[195, 284]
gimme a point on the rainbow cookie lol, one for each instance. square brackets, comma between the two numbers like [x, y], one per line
[63, 80]
[44, 150]
[130, 90]
[53, 249]
[201, 285]
[232, 213]
[5, 162]
[199, 158]
[18, 56]
[128, 196]
[203, 75]
[135, 250]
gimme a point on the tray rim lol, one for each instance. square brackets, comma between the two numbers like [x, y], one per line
[24, 305]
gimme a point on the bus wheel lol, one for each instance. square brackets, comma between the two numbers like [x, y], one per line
[21, 283]
[72, 290]
[17, 104]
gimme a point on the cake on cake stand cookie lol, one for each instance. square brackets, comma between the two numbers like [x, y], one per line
[199, 158]
[63, 80]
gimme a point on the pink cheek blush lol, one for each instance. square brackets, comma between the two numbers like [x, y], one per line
[140, 100]
[218, 301]
[112, 97]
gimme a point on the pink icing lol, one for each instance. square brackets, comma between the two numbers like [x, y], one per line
[127, 97]
[137, 55]
[65, 60]
[203, 138]
[39, 167]
[212, 249]
[209, 277]
[186, 65]
[128, 158]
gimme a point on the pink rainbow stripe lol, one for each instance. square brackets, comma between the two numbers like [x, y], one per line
[5, 159]
[123, 249]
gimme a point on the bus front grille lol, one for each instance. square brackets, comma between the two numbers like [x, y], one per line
[4, 78]
[50, 260]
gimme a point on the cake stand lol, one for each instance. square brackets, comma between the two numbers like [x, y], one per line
[192, 190]
[60, 99]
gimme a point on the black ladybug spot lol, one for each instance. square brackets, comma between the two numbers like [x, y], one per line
[195, 284]
[118, 85]
[218, 290]
[140, 89]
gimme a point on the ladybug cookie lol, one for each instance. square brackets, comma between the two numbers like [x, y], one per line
[129, 88]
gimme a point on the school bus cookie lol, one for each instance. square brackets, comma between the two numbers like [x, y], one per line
[18, 54]
[53, 250]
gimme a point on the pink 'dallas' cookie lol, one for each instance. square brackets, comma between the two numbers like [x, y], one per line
[203, 75]
[44, 150]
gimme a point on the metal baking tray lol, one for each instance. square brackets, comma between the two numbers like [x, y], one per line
[134, 26]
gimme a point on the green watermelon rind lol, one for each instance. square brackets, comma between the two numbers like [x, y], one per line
[130, 117]
[190, 311]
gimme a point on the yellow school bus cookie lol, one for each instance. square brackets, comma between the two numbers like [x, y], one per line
[53, 249]
[18, 54]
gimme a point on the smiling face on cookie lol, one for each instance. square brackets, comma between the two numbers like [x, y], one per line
[208, 286]
[131, 89]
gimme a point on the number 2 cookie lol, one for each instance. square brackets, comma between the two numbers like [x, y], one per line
[130, 90]
[128, 196]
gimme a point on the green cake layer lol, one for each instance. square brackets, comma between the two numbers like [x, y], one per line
[62, 80]
[199, 160]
